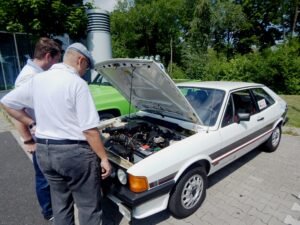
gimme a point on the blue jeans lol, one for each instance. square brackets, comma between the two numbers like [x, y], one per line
[73, 172]
[42, 189]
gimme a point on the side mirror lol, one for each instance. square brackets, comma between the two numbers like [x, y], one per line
[243, 117]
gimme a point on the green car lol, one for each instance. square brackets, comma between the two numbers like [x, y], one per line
[108, 101]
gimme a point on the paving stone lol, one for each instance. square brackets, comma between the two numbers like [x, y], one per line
[258, 222]
[262, 216]
[275, 221]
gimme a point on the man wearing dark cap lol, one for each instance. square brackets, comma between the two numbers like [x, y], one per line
[69, 148]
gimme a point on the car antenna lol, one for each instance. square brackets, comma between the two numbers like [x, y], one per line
[130, 95]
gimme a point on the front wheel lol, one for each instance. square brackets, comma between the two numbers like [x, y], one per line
[189, 193]
[273, 142]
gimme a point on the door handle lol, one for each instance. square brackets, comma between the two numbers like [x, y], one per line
[261, 118]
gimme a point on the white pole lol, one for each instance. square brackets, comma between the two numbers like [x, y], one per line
[3, 72]
[17, 52]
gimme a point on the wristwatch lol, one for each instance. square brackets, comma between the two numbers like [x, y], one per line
[28, 142]
[32, 125]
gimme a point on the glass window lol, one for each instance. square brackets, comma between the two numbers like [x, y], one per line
[243, 102]
[206, 103]
[263, 99]
[15, 49]
[229, 114]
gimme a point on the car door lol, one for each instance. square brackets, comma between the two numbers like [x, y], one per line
[238, 134]
[265, 117]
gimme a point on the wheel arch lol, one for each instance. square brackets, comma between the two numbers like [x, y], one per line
[205, 163]
[278, 122]
[115, 112]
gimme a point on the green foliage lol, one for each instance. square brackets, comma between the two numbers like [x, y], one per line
[177, 72]
[293, 110]
[199, 35]
[269, 20]
[150, 28]
[44, 18]
[228, 20]
[278, 68]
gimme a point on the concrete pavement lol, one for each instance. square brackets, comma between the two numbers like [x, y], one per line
[258, 189]
[18, 204]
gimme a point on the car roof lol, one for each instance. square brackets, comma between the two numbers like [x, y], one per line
[222, 85]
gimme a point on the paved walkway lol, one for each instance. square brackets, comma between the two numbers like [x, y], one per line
[18, 204]
[258, 189]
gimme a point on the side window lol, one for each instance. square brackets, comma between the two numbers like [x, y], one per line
[262, 98]
[229, 114]
[243, 102]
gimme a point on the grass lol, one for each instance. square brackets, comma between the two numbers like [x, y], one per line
[293, 102]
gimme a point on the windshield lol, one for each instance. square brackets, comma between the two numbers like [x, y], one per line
[206, 102]
[100, 80]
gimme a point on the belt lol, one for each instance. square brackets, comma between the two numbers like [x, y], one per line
[60, 142]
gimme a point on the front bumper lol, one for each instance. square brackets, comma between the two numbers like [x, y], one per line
[127, 200]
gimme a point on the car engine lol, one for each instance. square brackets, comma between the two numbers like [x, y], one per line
[137, 139]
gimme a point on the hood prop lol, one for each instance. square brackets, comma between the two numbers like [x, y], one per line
[130, 95]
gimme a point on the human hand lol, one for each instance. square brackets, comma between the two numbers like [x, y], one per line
[32, 130]
[105, 168]
[30, 148]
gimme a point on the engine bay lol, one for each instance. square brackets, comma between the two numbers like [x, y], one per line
[135, 139]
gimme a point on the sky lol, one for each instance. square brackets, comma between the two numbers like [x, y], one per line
[106, 4]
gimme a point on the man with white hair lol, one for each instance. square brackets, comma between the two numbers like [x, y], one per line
[69, 148]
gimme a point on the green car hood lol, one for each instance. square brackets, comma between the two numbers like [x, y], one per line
[107, 98]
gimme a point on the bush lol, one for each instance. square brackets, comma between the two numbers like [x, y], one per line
[277, 67]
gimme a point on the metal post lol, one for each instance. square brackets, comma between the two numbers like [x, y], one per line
[3, 72]
[17, 52]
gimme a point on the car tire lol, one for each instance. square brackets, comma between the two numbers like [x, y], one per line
[273, 142]
[105, 116]
[189, 193]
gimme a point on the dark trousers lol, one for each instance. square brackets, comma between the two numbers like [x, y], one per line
[42, 189]
[73, 172]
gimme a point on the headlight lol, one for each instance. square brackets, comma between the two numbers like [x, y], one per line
[122, 177]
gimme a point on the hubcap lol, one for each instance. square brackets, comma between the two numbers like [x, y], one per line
[192, 191]
[276, 137]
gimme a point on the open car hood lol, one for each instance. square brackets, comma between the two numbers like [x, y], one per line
[147, 87]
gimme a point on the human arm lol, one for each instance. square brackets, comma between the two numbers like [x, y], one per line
[26, 136]
[93, 138]
[19, 115]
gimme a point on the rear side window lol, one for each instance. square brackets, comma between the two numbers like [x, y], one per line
[239, 102]
[243, 102]
[263, 99]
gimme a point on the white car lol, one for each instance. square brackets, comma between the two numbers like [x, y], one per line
[163, 154]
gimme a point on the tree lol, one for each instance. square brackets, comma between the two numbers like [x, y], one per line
[199, 33]
[266, 18]
[149, 28]
[44, 17]
[197, 38]
[228, 20]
